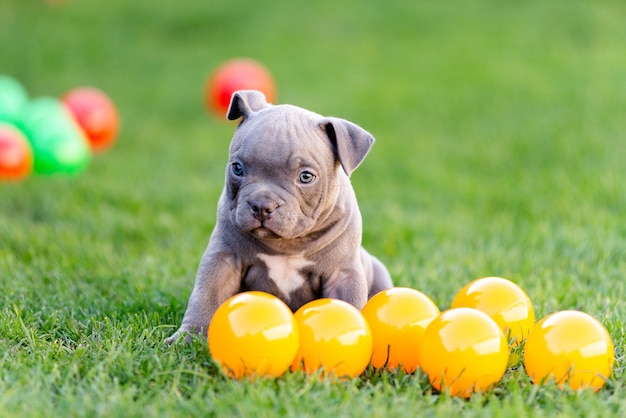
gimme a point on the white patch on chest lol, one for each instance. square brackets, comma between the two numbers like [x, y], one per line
[285, 271]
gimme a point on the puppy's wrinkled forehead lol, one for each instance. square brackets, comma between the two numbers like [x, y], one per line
[273, 132]
[280, 130]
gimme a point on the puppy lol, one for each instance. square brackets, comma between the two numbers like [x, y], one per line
[288, 222]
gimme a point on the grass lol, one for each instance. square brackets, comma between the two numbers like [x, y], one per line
[500, 151]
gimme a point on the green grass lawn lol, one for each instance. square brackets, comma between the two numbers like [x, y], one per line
[500, 151]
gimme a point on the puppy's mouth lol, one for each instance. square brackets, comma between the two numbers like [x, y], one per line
[256, 228]
[262, 232]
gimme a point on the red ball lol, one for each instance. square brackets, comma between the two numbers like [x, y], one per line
[95, 113]
[233, 75]
[16, 155]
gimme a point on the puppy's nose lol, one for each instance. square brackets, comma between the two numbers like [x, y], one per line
[262, 208]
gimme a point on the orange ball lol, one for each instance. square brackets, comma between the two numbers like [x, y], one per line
[95, 113]
[463, 351]
[398, 318]
[571, 347]
[335, 339]
[16, 154]
[233, 75]
[253, 334]
[502, 300]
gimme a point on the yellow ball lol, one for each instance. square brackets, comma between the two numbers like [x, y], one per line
[502, 300]
[335, 339]
[463, 351]
[570, 347]
[398, 318]
[253, 334]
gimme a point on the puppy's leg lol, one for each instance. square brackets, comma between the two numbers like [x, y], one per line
[218, 279]
[348, 284]
[378, 277]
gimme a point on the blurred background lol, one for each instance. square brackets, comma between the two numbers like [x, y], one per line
[499, 126]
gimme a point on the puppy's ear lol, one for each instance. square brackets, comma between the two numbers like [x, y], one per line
[350, 142]
[244, 102]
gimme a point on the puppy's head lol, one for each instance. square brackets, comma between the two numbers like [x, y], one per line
[284, 174]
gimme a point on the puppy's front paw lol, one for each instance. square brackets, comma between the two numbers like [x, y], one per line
[185, 335]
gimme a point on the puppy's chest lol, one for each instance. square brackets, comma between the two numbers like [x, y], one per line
[288, 277]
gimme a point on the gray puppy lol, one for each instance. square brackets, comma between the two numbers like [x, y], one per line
[288, 221]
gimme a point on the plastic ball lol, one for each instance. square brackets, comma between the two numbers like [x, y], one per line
[233, 75]
[570, 347]
[502, 300]
[16, 155]
[13, 98]
[398, 318]
[335, 339]
[463, 351]
[95, 113]
[59, 146]
[253, 334]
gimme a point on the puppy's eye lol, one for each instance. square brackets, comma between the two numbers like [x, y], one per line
[237, 169]
[306, 177]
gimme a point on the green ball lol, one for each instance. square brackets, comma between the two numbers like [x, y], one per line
[59, 146]
[43, 115]
[61, 156]
[13, 98]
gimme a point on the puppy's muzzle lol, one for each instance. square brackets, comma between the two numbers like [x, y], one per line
[262, 208]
